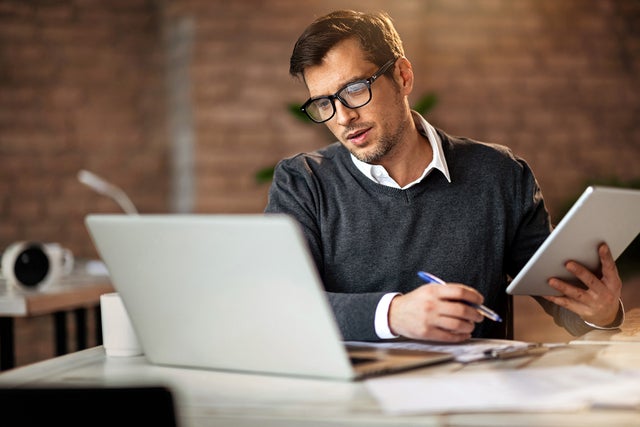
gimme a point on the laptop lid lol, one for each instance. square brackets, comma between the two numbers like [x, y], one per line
[601, 214]
[231, 292]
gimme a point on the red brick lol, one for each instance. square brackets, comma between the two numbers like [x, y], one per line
[82, 84]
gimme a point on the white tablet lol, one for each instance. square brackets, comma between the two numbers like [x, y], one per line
[601, 214]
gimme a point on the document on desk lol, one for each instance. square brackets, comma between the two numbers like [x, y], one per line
[469, 351]
[557, 389]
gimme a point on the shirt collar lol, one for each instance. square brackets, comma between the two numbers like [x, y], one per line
[377, 173]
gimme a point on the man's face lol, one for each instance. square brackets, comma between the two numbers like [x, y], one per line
[370, 132]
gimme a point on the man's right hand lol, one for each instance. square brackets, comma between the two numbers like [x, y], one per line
[435, 313]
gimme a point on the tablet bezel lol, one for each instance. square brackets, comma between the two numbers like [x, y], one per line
[601, 214]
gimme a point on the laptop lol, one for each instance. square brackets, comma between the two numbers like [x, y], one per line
[232, 292]
[601, 214]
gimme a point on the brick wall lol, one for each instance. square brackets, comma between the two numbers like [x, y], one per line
[83, 85]
[555, 80]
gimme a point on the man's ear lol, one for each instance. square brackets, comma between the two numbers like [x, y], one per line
[403, 75]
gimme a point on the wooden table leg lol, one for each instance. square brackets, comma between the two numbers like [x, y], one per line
[7, 344]
[97, 315]
[60, 326]
[80, 315]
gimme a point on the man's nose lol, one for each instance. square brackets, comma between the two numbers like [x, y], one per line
[344, 115]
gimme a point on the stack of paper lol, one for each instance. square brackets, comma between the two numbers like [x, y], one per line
[564, 388]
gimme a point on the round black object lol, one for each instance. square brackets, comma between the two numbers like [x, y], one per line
[31, 266]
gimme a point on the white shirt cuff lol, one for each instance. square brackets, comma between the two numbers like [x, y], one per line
[381, 321]
[616, 325]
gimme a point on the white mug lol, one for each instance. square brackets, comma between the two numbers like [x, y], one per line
[118, 336]
[34, 266]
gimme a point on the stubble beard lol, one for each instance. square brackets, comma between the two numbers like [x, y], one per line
[384, 146]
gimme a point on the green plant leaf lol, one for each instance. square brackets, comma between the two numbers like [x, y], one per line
[264, 175]
[426, 103]
[294, 109]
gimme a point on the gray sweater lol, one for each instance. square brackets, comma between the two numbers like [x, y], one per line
[368, 239]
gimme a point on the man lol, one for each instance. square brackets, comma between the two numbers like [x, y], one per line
[395, 196]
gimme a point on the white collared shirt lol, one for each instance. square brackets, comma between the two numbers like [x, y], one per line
[379, 174]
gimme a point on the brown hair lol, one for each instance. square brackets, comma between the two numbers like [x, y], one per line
[375, 32]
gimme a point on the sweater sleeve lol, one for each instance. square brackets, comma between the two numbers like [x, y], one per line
[532, 223]
[295, 191]
[572, 322]
[564, 318]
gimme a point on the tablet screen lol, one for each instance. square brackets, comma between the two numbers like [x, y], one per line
[601, 214]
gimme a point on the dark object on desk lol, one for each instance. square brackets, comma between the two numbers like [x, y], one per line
[88, 406]
[31, 265]
[34, 266]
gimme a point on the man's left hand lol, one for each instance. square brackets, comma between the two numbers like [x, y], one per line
[599, 302]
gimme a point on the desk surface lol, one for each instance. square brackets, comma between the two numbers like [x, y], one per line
[222, 398]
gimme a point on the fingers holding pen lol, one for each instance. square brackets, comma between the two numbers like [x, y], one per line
[435, 313]
[468, 300]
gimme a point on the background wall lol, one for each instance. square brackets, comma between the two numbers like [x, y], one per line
[188, 98]
[86, 84]
[81, 86]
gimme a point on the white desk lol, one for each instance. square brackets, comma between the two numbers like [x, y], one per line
[233, 399]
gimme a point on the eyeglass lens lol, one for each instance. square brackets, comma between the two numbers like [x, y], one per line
[353, 95]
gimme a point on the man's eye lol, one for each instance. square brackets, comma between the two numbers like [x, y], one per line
[323, 104]
[355, 89]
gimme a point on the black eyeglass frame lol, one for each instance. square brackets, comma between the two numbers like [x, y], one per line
[368, 82]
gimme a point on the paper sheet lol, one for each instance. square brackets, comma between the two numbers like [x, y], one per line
[468, 351]
[564, 388]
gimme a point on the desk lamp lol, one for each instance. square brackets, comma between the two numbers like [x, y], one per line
[101, 186]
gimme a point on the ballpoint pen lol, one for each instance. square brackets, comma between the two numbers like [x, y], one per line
[512, 352]
[482, 309]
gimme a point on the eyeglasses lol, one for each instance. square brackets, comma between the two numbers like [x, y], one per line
[352, 95]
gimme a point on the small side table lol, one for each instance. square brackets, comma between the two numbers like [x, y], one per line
[75, 294]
